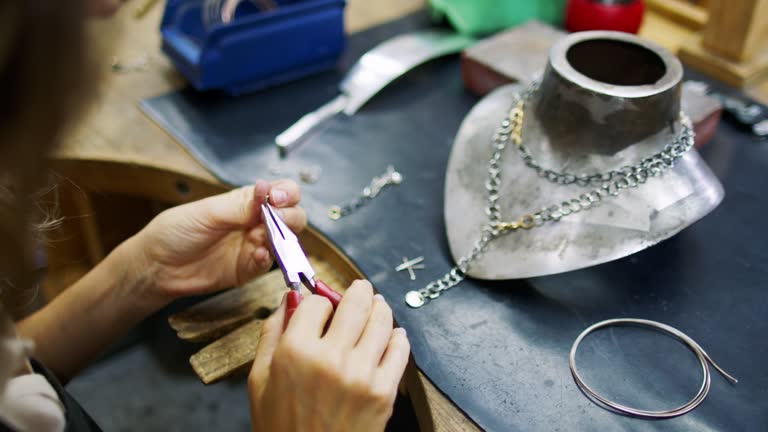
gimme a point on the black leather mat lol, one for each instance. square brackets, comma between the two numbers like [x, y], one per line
[500, 349]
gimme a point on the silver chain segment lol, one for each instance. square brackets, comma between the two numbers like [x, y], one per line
[391, 177]
[608, 184]
[661, 160]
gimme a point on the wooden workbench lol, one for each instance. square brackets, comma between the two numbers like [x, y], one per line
[116, 149]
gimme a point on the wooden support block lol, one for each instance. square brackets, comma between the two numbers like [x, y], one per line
[221, 314]
[218, 315]
[737, 29]
[733, 47]
[515, 55]
[737, 74]
[704, 112]
[664, 31]
[229, 355]
[235, 317]
[681, 12]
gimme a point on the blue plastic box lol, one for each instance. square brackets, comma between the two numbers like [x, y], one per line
[257, 49]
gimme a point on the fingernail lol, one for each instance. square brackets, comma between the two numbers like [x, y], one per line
[278, 197]
[401, 331]
[379, 297]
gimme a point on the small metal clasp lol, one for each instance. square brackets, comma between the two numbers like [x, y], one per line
[414, 299]
[527, 221]
[378, 183]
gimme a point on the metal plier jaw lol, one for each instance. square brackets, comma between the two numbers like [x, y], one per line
[287, 251]
[294, 263]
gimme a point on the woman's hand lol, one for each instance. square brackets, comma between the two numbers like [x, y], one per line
[343, 379]
[195, 248]
[215, 243]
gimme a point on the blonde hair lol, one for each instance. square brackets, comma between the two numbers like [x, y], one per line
[43, 78]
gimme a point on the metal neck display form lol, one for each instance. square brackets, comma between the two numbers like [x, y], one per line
[607, 101]
[604, 91]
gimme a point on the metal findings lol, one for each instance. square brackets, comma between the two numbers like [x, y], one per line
[526, 221]
[414, 299]
[703, 357]
[391, 177]
[140, 64]
[334, 212]
[516, 120]
[308, 174]
[761, 128]
[411, 265]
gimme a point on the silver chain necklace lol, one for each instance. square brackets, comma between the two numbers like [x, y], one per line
[604, 185]
[391, 177]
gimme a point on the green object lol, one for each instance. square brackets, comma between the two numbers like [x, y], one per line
[477, 17]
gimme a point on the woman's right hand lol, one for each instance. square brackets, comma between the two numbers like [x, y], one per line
[345, 378]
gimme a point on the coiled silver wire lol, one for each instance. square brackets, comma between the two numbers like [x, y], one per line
[622, 409]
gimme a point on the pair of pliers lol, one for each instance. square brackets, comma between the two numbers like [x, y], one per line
[293, 262]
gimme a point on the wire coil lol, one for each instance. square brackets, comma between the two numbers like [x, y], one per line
[703, 357]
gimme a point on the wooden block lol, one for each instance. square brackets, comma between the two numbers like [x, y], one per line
[515, 55]
[737, 74]
[682, 12]
[229, 355]
[704, 112]
[221, 314]
[737, 29]
[664, 31]
[236, 317]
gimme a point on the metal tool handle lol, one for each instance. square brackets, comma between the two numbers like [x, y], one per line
[321, 289]
[294, 298]
[290, 137]
[324, 290]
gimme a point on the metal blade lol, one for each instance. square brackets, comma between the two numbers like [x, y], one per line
[392, 59]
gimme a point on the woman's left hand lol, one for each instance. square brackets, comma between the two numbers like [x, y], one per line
[215, 243]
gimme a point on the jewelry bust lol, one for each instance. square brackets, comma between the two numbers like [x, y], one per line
[607, 100]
